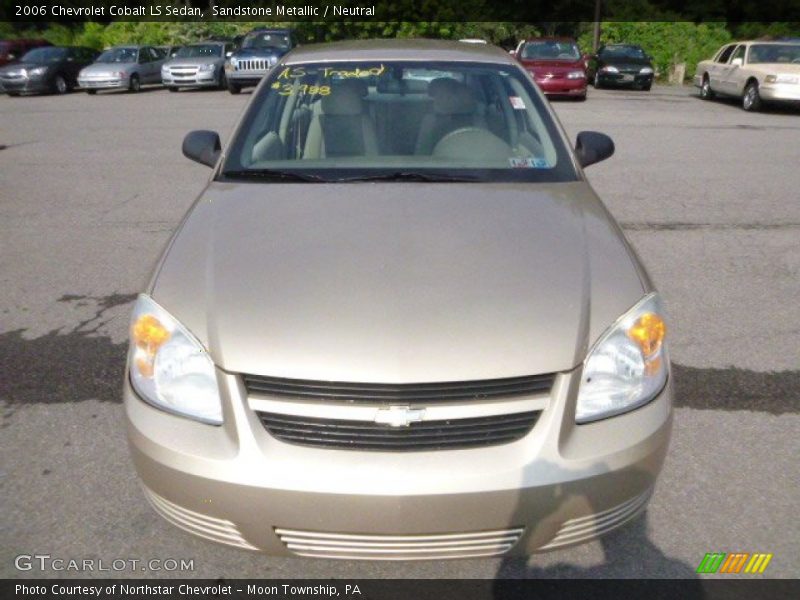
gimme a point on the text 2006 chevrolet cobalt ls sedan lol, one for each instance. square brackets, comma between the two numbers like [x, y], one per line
[398, 323]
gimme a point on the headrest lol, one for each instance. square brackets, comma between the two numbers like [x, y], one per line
[345, 98]
[451, 97]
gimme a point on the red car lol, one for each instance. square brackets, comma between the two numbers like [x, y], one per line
[556, 64]
[12, 50]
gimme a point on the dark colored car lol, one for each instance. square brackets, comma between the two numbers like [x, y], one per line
[556, 64]
[261, 49]
[50, 69]
[12, 50]
[621, 65]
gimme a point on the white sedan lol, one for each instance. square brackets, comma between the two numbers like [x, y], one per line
[756, 72]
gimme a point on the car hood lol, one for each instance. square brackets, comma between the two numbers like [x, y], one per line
[627, 63]
[193, 61]
[106, 68]
[776, 68]
[398, 283]
[259, 53]
[18, 66]
[552, 66]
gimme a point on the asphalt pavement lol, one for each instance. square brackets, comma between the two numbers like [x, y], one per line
[92, 186]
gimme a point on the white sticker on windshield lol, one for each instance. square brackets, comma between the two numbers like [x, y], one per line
[529, 163]
[517, 102]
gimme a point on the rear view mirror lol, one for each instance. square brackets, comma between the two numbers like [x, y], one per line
[202, 146]
[592, 147]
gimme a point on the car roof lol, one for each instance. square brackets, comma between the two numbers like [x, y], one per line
[771, 42]
[399, 49]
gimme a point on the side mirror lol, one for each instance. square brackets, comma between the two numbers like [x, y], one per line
[736, 62]
[592, 147]
[228, 54]
[202, 146]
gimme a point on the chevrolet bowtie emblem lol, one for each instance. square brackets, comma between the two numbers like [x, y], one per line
[399, 416]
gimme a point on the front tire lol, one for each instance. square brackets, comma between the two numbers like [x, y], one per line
[706, 93]
[223, 80]
[234, 88]
[172, 89]
[91, 92]
[60, 84]
[751, 101]
[596, 82]
[134, 85]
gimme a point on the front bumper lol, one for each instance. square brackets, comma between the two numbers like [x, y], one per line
[245, 78]
[625, 79]
[562, 484]
[198, 79]
[27, 85]
[102, 84]
[780, 92]
[562, 86]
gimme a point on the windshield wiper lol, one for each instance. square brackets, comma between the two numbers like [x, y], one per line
[411, 176]
[273, 175]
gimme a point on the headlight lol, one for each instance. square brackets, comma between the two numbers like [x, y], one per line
[627, 367]
[646, 71]
[164, 69]
[610, 69]
[230, 66]
[785, 78]
[206, 68]
[169, 367]
[576, 75]
[37, 71]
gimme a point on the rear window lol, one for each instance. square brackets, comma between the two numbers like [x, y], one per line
[344, 121]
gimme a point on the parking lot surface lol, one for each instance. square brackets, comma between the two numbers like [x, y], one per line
[92, 187]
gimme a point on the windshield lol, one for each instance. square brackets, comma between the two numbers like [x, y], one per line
[200, 50]
[119, 55]
[45, 55]
[551, 50]
[612, 52]
[261, 39]
[406, 120]
[774, 53]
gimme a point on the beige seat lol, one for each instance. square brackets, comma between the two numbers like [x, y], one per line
[341, 126]
[454, 107]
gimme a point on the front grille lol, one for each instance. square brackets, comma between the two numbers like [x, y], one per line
[399, 547]
[423, 435]
[183, 71]
[253, 64]
[385, 393]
